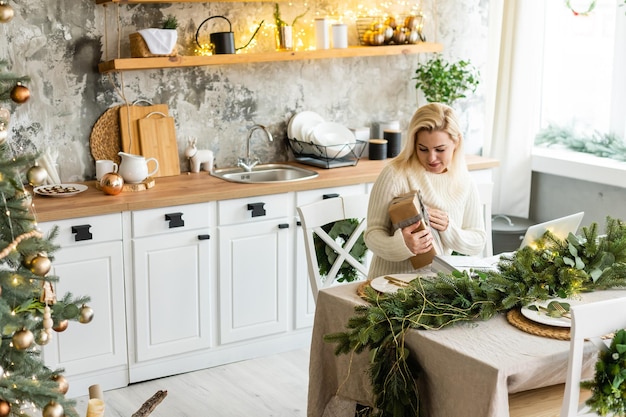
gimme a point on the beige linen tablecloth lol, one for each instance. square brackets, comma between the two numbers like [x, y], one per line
[468, 369]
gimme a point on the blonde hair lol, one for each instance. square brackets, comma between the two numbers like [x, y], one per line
[432, 117]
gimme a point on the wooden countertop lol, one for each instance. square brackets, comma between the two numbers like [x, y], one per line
[200, 187]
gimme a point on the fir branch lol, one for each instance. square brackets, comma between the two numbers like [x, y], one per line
[554, 268]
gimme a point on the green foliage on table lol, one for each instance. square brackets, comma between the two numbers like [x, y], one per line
[604, 145]
[554, 268]
[445, 82]
[608, 387]
[339, 231]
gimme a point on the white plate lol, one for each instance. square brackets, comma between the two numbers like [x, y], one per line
[337, 139]
[541, 316]
[60, 190]
[301, 124]
[383, 285]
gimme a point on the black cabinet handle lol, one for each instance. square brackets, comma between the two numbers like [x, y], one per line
[327, 196]
[81, 232]
[204, 237]
[298, 223]
[257, 209]
[283, 226]
[175, 219]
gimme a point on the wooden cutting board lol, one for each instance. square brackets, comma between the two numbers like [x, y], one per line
[129, 129]
[157, 138]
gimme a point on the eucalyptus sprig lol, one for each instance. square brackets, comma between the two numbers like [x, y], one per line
[553, 268]
[280, 22]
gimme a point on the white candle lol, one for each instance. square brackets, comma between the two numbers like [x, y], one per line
[340, 35]
[322, 40]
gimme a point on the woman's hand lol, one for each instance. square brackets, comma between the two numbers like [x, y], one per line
[418, 241]
[438, 219]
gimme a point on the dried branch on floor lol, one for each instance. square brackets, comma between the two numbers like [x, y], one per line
[149, 406]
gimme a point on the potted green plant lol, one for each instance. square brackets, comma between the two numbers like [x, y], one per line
[445, 82]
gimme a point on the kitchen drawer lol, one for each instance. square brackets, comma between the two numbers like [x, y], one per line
[312, 196]
[86, 230]
[259, 208]
[170, 219]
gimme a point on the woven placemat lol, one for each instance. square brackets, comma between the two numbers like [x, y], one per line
[517, 319]
[105, 139]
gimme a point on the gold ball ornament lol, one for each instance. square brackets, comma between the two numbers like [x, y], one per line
[40, 265]
[61, 326]
[6, 12]
[20, 94]
[42, 338]
[112, 183]
[36, 175]
[86, 314]
[5, 408]
[53, 409]
[64, 386]
[23, 339]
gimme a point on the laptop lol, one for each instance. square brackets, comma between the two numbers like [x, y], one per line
[560, 228]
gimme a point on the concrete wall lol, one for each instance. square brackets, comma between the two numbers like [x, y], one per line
[58, 44]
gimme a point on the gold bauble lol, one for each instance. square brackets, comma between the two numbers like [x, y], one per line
[6, 12]
[23, 339]
[112, 183]
[53, 409]
[61, 326]
[64, 386]
[86, 314]
[20, 94]
[5, 408]
[36, 175]
[40, 265]
[43, 338]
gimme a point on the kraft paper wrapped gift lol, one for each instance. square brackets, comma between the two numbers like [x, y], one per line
[406, 210]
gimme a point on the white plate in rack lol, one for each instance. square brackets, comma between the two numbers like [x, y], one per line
[301, 124]
[60, 190]
[337, 139]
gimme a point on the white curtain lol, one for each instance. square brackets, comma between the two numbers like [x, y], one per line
[513, 77]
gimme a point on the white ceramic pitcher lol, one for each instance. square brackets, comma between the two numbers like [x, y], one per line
[134, 168]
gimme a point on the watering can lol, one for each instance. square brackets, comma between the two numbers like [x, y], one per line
[224, 42]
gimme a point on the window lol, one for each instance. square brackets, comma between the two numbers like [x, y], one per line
[583, 66]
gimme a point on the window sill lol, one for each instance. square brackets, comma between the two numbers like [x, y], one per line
[579, 166]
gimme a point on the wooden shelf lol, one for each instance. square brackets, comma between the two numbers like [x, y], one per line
[170, 1]
[127, 64]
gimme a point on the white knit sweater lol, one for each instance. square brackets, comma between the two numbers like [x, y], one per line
[457, 196]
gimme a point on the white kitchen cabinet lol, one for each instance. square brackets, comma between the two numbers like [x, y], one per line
[90, 262]
[304, 309]
[169, 289]
[255, 255]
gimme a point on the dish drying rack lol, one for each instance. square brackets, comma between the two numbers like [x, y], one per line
[334, 156]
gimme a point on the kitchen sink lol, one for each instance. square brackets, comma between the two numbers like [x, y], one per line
[267, 173]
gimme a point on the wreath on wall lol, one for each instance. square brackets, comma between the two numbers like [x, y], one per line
[555, 268]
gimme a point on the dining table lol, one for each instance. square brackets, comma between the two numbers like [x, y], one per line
[466, 369]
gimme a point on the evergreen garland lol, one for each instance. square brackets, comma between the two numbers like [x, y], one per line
[554, 268]
[604, 145]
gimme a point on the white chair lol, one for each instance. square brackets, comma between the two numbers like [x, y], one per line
[315, 215]
[589, 321]
[485, 190]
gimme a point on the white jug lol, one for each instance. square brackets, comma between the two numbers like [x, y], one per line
[134, 168]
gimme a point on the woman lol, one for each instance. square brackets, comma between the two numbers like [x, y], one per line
[432, 161]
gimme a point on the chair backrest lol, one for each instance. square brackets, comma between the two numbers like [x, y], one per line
[318, 214]
[485, 190]
[589, 321]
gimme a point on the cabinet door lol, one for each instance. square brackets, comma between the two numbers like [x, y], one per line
[93, 353]
[171, 294]
[253, 267]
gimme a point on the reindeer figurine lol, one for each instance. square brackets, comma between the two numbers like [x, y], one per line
[198, 159]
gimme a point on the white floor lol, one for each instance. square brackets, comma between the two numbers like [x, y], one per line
[273, 386]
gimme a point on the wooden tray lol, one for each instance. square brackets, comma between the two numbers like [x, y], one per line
[142, 186]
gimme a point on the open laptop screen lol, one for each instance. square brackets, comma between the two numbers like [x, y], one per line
[560, 228]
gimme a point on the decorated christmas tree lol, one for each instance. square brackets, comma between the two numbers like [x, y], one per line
[30, 311]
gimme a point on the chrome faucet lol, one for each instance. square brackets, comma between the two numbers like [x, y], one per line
[248, 162]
